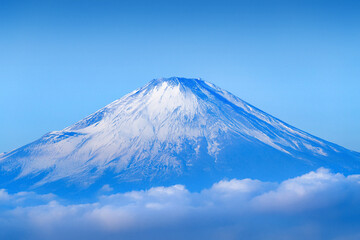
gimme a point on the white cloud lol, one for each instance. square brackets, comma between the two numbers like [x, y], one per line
[106, 188]
[317, 205]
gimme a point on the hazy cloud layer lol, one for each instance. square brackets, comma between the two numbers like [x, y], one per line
[317, 205]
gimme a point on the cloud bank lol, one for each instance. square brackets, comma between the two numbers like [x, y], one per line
[317, 205]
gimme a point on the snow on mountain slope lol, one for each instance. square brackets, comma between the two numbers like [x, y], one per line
[172, 128]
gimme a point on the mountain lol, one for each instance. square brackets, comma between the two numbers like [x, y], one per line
[173, 130]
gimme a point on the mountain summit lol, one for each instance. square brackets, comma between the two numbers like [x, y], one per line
[172, 130]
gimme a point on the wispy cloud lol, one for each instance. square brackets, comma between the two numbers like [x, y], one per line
[317, 205]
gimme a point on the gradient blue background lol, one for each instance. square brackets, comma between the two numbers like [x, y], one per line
[62, 60]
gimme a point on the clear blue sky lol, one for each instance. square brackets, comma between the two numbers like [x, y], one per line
[62, 60]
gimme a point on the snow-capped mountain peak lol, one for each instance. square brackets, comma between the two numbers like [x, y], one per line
[173, 129]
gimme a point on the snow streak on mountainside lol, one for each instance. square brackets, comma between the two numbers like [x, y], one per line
[175, 130]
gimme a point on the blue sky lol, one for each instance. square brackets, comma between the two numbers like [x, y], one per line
[62, 60]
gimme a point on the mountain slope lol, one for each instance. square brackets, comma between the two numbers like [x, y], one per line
[173, 130]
